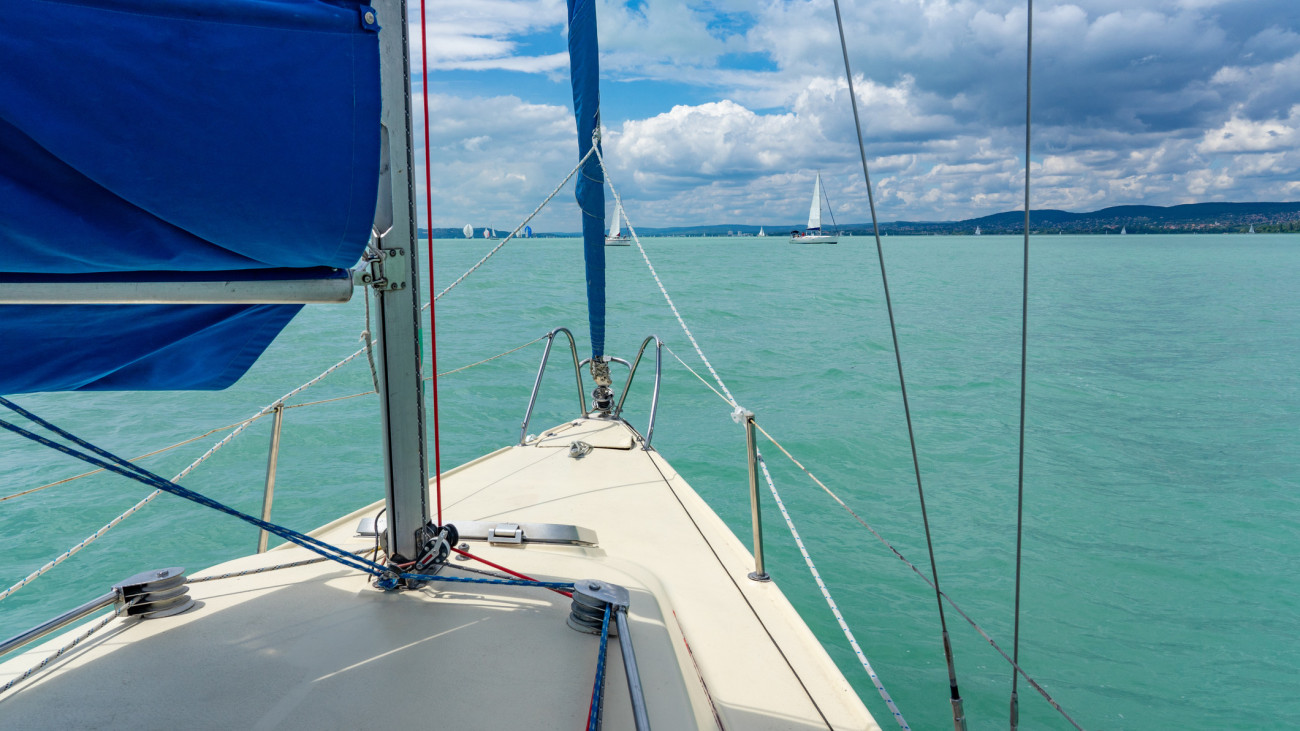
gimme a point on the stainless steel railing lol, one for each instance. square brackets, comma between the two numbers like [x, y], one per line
[654, 399]
[577, 372]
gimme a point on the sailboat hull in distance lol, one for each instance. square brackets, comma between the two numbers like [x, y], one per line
[814, 239]
[616, 237]
[814, 234]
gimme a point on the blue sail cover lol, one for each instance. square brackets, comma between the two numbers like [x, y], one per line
[142, 137]
[584, 71]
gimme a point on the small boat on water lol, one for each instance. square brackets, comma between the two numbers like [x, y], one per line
[468, 231]
[616, 236]
[760, 231]
[814, 234]
[977, 231]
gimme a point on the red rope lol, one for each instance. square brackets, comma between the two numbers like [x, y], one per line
[499, 567]
[428, 211]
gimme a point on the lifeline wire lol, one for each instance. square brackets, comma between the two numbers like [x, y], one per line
[885, 542]
[1024, 350]
[126, 469]
[826, 594]
[958, 717]
[150, 497]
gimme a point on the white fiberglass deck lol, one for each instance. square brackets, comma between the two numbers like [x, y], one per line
[318, 647]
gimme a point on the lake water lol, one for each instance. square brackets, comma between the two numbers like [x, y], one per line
[1162, 514]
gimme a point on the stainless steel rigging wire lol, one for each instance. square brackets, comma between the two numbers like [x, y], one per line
[1024, 340]
[958, 716]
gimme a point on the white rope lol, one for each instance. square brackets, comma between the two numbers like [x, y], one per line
[518, 228]
[853, 642]
[637, 240]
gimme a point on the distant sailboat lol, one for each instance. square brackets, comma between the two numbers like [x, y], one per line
[977, 231]
[760, 231]
[814, 234]
[616, 236]
[1123, 230]
[468, 231]
[1252, 229]
[528, 232]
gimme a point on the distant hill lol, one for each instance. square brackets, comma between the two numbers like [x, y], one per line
[1187, 218]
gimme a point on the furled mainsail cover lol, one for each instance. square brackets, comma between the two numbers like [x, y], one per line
[157, 139]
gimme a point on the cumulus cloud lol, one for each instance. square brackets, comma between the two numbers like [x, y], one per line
[722, 110]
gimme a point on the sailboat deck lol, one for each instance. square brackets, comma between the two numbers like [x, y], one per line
[318, 647]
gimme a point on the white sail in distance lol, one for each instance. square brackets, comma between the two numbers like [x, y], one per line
[815, 212]
[468, 231]
[616, 229]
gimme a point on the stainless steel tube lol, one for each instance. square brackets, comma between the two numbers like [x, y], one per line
[639, 715]
[532, 400]
[755, 512]
[268, 495]
[654, 399]
[59, 622]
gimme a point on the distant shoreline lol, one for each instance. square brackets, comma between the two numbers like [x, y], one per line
[1190, 218]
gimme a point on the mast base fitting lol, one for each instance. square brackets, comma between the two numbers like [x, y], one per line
[435, 548]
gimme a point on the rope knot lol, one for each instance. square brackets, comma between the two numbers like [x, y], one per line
[741, 414]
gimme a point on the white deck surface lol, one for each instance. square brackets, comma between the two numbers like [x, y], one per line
[318, 647]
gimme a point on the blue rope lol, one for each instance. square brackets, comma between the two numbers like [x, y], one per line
[152, 480]
[113, 463]
[598, 693]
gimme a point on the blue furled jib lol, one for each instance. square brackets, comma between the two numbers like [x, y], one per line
[584, 71]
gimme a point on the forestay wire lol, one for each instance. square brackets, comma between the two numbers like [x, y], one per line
[637, 240]
[1024, 352]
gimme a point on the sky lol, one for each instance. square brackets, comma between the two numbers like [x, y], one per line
[722, 111]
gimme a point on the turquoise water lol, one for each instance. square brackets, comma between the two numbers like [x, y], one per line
[1162, 533]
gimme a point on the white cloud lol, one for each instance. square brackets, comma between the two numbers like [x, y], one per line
[1244, 135]
[1154, 101]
